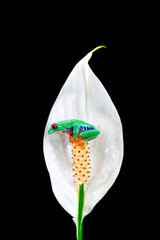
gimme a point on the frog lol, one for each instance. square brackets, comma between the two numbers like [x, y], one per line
[76, 129]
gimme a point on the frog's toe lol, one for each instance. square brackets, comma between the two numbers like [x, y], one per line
[84, 142]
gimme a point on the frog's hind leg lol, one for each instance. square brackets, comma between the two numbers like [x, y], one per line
[88, 135]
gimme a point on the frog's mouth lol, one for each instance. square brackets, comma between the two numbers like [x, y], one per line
[59, 132]
[51, 132]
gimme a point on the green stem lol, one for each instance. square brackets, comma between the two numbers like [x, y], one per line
[80, 212]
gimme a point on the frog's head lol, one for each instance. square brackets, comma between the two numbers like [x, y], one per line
[55, 128]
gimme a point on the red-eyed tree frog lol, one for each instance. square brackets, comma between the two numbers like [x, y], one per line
[75, 127]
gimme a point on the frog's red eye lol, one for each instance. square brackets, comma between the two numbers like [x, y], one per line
[54, 126]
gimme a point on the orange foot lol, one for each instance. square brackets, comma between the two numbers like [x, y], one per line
[79, 140]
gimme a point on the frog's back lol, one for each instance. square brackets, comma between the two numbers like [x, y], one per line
[71, 122]
[80, 122]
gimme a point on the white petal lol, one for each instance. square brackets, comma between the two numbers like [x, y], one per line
[83, 97]
[107, 153]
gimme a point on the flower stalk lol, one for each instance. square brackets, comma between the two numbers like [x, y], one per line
[80, 212]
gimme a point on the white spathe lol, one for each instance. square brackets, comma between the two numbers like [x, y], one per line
[83, 97]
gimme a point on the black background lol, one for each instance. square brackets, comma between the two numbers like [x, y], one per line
[41, 52]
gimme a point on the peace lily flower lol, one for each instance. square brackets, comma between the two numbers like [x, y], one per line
[83, 97]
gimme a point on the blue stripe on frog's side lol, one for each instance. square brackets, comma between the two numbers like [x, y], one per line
[82, 128]
[70, 128]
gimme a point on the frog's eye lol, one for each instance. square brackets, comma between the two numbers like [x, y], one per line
[54, 126]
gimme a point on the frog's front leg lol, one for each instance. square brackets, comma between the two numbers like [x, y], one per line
[89, 135]
[75, 131]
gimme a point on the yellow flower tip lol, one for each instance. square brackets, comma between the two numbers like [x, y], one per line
[99, 48]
